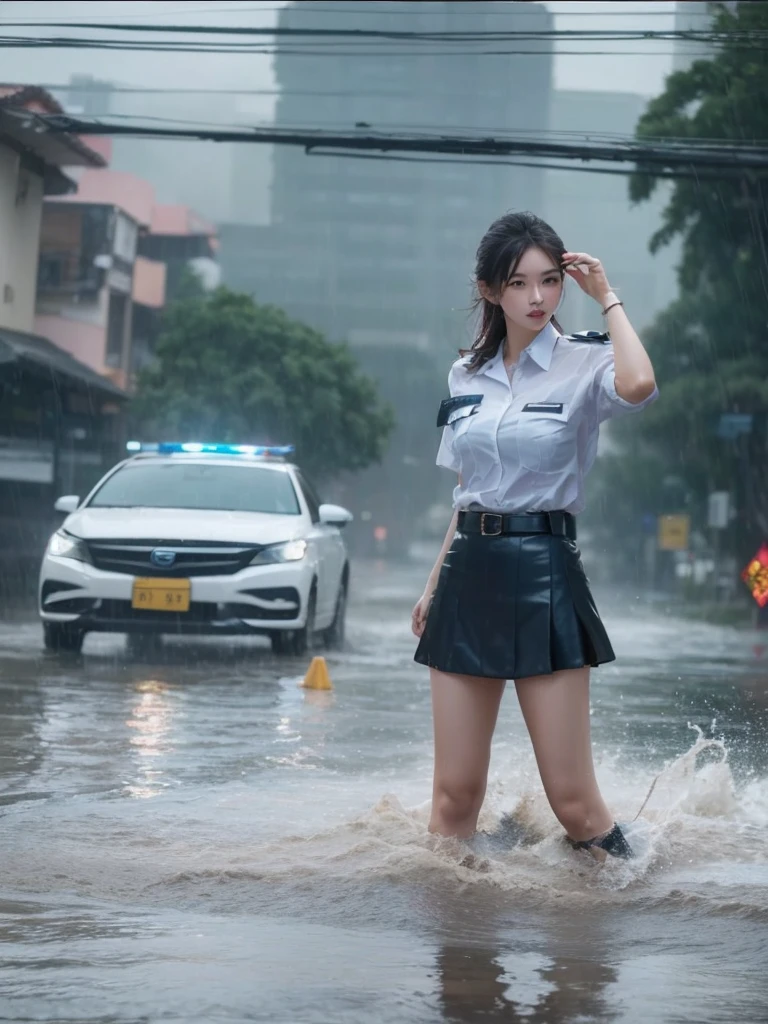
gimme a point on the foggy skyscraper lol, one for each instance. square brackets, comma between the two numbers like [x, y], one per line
[383, 249]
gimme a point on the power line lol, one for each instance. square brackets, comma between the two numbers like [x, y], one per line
[247, 49]
[107, 18]
[430, 131]
[399, 35]
[331, 49]
[106, 90]
[732, 157]
[109, 89]
[589, 136]
[452, 161]
[282, 32]
[513, 13]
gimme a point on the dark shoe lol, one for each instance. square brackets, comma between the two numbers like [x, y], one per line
[613, 843]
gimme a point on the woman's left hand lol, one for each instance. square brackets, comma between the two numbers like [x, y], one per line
[588, 273]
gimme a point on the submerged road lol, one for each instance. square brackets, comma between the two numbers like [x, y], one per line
[195, 838]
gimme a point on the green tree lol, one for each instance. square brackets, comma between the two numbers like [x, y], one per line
[710, 347]
[227, 369]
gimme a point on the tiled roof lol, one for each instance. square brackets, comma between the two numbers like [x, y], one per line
[29, 97]
[43, 354]
[22, 112]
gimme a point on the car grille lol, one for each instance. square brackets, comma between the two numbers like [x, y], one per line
[192, 558]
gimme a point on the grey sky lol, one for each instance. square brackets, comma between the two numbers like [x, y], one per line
[643, 72]
[210, 182]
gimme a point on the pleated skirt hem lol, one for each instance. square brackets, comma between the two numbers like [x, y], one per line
[511, 607]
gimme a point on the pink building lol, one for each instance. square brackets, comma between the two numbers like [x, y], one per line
[107, 256]
[91, 277]
[61, 424]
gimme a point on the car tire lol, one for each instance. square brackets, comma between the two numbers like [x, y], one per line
[61, 637]
[335, 635]
[297, 641]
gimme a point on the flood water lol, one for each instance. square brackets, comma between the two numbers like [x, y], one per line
[195, 838]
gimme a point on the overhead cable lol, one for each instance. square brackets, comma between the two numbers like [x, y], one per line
[487, 35]
[734, 158]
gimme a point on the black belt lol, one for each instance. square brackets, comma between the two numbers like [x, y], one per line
[494, 524]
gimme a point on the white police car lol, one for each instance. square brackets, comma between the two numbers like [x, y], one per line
[198, 539]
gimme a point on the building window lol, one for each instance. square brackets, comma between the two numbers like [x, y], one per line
[126, 237]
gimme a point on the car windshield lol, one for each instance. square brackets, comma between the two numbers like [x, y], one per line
[192, 485]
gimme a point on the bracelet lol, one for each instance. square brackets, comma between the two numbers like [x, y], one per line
[618, 302]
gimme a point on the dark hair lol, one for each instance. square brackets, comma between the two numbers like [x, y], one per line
[503, 246]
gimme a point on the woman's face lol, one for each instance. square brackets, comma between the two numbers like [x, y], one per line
[530, 296]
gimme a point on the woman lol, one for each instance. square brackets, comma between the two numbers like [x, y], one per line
[507, 597]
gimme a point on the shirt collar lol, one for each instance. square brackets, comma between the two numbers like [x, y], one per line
[540, 350]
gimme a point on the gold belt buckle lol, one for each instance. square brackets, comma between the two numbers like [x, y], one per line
[493, 515]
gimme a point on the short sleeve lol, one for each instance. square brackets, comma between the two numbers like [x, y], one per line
[446, 457]
[609, 403]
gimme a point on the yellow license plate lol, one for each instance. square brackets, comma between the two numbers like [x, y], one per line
[158, 595]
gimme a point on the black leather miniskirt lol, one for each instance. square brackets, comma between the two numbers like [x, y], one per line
[512, 606]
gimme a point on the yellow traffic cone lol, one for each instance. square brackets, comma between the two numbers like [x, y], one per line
[317, 677]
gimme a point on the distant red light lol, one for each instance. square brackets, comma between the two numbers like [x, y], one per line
[755, 575]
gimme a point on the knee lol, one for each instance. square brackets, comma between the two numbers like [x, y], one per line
[457, 801]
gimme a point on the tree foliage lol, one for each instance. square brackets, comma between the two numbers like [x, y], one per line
[710, 347]
[229, 370]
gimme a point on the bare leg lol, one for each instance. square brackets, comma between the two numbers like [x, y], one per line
[464, 711]
[556, 711]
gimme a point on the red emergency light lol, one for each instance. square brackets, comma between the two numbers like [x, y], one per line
[756, 576]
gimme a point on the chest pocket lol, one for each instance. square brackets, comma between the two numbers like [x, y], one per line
[545, 440]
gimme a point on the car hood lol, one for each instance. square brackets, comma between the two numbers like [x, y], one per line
[173, 524]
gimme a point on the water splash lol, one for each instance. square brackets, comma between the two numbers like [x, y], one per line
[704, 791]
[694, 818]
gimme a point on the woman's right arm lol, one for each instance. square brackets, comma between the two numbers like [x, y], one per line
[421, 609]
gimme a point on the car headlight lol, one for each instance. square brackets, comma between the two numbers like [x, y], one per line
[291, 551]
[64, 545]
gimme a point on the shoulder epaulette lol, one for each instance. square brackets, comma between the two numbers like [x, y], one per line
[590, 337]
[452, 408]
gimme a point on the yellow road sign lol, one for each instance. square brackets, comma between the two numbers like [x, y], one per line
[673, 533]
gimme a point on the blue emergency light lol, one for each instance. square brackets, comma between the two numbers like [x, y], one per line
[196, 448]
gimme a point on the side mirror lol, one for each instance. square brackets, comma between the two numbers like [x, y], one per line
[335, 515]
[67, 503]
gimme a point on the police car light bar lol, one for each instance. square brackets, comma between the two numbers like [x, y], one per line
[194, 448]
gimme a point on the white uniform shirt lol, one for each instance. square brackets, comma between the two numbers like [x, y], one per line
[532, 438]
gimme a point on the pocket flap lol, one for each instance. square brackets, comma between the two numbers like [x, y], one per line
[456, 407]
